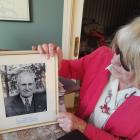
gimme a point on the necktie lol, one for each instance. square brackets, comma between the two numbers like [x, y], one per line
[27, 105]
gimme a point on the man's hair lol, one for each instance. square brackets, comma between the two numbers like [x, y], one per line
[128, 41]
[25, 71]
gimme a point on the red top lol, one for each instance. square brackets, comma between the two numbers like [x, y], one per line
[90, 70]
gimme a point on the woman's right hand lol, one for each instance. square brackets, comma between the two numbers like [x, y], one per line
[49, 50]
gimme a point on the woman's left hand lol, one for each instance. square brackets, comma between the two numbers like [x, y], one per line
[68, 122]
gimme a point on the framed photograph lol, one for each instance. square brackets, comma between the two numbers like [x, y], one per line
[15, 10]
[28, 90]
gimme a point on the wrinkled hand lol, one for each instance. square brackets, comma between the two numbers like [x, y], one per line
[68, 122]
[49, 50]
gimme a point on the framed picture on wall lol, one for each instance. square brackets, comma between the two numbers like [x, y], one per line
[28, 90]
[14, 10]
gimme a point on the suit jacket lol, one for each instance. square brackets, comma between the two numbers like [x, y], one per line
[14, 105]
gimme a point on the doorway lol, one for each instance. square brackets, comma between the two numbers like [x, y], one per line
[101, 19]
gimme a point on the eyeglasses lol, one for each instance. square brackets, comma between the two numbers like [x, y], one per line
[118, 52]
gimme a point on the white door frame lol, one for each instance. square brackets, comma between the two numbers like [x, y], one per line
[72, 20]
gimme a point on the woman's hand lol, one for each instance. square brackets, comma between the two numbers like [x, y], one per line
[50, 50]
[68, 122]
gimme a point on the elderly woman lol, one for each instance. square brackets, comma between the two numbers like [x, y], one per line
[109, 107]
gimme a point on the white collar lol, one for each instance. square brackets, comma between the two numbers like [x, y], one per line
[29, 98]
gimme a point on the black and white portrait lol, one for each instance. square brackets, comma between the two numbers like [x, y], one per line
[24, 88]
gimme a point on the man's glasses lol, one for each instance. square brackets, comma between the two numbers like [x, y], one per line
[118, 52]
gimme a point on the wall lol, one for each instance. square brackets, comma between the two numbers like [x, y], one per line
[46, 26]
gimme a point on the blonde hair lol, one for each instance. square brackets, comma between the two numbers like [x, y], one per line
[128, 41]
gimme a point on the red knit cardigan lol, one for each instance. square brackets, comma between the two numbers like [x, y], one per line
[90, 70]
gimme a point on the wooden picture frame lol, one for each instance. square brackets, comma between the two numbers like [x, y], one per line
[15, 10]
[45, 74]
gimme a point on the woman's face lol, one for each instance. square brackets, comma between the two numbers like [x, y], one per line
[119, 72]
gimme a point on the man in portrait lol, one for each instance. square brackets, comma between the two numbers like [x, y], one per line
[27, 101]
